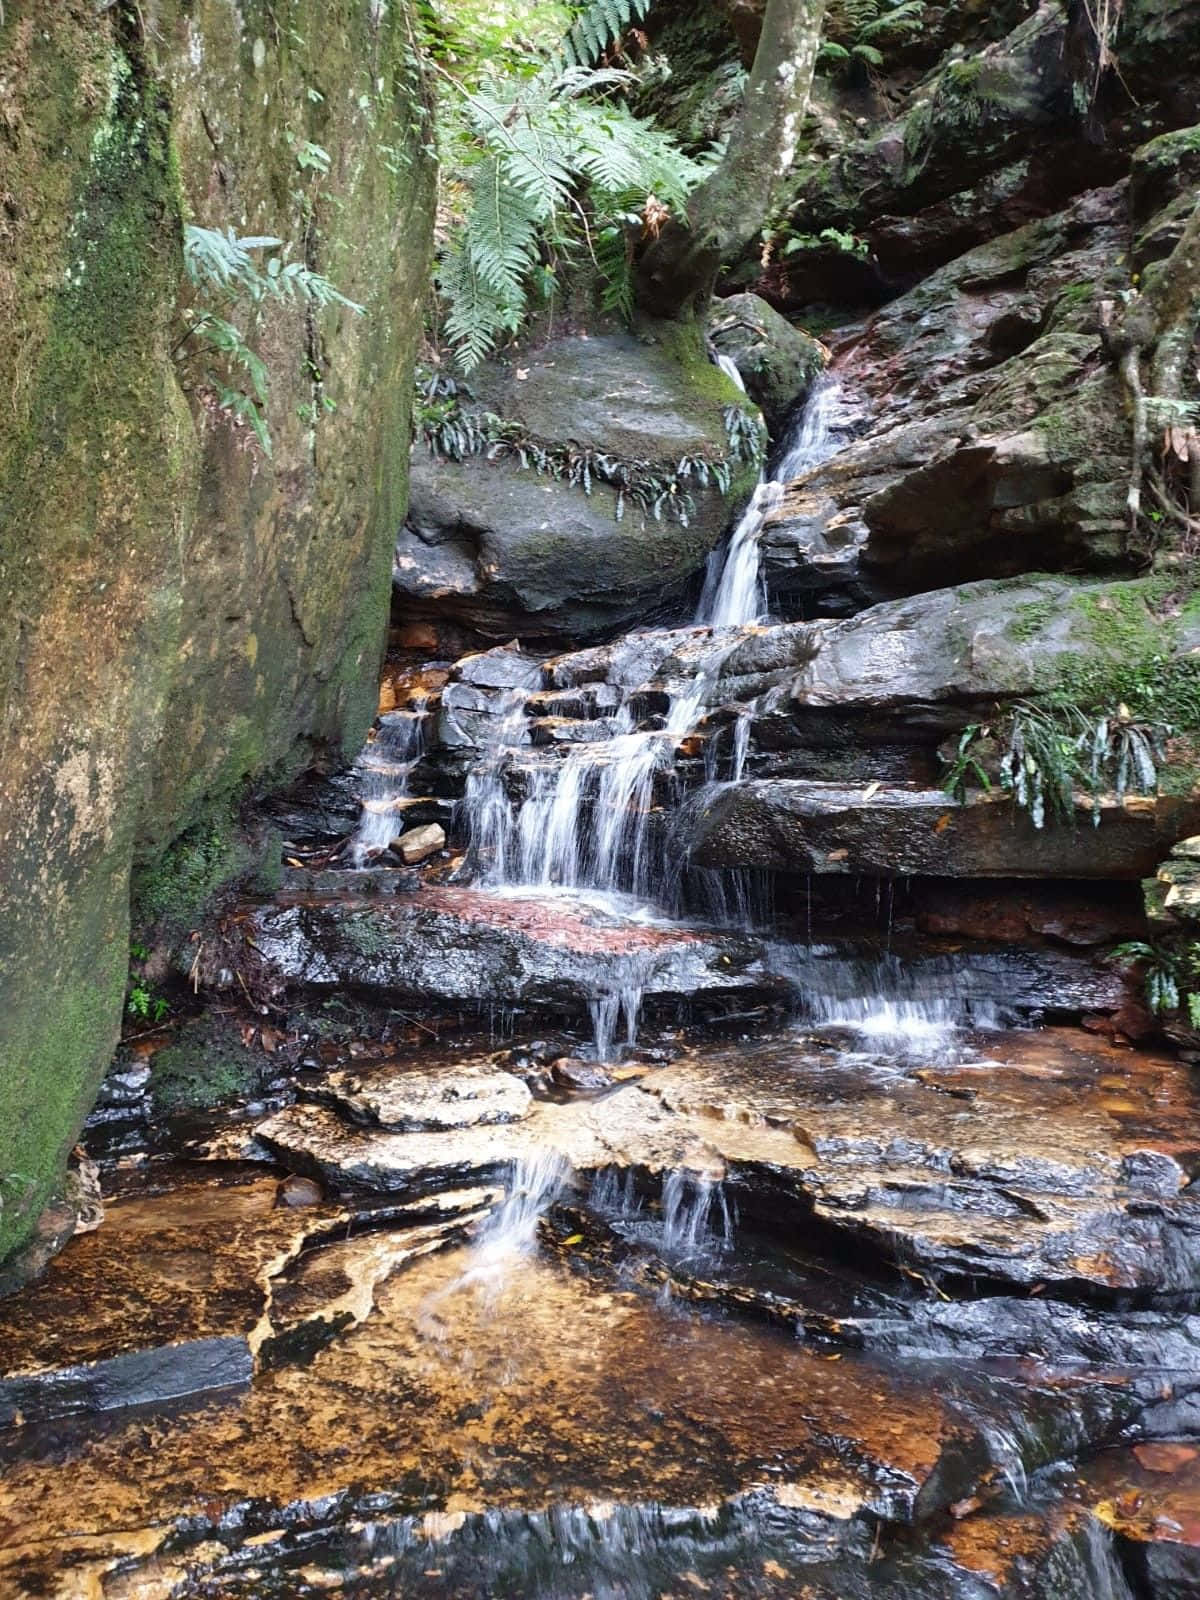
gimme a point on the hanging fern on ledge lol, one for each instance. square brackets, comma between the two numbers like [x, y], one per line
[445, 421]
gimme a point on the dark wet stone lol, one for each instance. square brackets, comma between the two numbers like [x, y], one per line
[469, 946]
[801, 825]
[778, 362]
[514, 552]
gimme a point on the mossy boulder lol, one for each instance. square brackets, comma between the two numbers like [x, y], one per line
[505, 541]
[188, 617]
[777, 362]
[204, 1065]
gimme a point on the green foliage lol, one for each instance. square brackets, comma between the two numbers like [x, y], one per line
[225, 268]
[965, 765]
[850, 243]
[140, 1000]
[747, 434]
[1049, 753]
[1170, 975]
[597, 25]
[858, 32]
[546, 169]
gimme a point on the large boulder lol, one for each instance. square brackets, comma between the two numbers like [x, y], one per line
[778, 363]
[505, 541]
[994, 439]
[184, 614]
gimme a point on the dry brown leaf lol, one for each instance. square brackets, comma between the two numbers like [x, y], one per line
[1164, 1457]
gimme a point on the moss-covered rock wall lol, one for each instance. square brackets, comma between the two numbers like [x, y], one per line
[181, 616]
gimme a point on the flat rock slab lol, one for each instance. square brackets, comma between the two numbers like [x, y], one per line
[516, 1388]
[471, 947]
[411, 1096]
[160, 1301]
[1038, 1161]
[798, 825]
[175, 1295]
[1030, 1159]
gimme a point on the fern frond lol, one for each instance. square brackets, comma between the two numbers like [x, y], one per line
[900, 20]
[598, 24]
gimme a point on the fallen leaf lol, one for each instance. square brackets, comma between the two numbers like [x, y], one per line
[576, 1238]
[270, 1039]
[837, 855]
[293, 861]
[964, 1508]
[871, 789]
[1164, 1457]
[942, 823]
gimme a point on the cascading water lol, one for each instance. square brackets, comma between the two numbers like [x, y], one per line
[510, 1233]
[386, 765]
[584, 822]
[694, 1217]
[733, 592]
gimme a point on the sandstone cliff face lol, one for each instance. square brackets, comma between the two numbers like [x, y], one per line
[182, 615]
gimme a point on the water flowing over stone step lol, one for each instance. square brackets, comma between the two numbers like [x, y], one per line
[487, 949]
[734, 592]
[1021, 1159]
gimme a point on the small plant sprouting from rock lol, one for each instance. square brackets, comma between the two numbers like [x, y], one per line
[225, 268]
[1044, 756]
[444, 420]
[141, 1001]
[747, 435]
[1170, 975]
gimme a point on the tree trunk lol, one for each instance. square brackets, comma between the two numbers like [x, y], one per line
[1174, 297]
[1159, 328]
[678, 269]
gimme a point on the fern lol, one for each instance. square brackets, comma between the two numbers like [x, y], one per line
[223, 265]
[549, 174]
[598, 24]
[856, 29]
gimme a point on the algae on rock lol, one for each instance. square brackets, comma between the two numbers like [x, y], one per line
[184, 618]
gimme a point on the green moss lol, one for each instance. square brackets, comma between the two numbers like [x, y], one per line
[366, 934]
[207, 1064]
[212, 614]
[1132, 655]
[705, 382]
[1030, 618]
[171, 894]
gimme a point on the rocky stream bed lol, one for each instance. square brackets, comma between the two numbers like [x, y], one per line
[653, 1137]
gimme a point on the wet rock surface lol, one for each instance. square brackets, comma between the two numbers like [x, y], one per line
[508, 550]
[481, 949]
[810, 826]
[678, 1368]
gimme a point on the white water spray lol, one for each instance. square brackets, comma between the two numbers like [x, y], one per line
[386, 765]
[734, 592]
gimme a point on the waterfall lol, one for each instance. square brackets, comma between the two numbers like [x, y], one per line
[584, 820]
[734, 591]
[385, 765]
[694, 1218]
[510, 1233]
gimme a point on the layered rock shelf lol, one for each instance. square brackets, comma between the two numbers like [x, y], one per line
[705, 1102]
